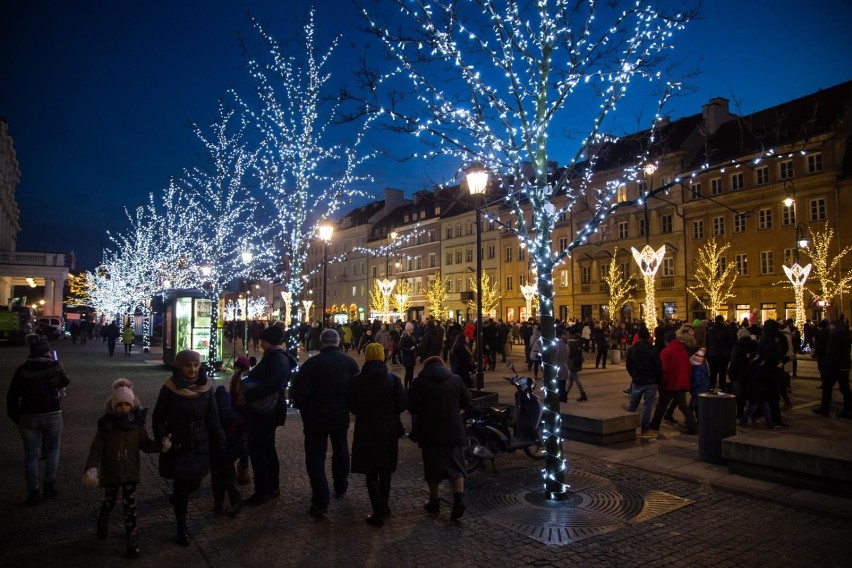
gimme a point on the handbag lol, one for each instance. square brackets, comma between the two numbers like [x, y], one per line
[265, 405]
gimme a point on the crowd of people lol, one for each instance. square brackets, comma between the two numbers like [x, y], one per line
[197, 429]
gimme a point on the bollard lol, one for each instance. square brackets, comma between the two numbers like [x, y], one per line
[615, 356]
[717, 420]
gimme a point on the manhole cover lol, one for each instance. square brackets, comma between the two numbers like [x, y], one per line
[595, 506]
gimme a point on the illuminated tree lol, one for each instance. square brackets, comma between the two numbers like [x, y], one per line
[827, 270]
[377, 299]
[79, 292]
[715, 279]
[401, 297]
[490, 295]
[436, 297]
[619, 287]
[490, 83]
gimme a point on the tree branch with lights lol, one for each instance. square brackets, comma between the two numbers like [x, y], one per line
[715, 281]
[619, 288]
[827, 267]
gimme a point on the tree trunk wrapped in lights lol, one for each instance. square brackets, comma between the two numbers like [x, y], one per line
[402, 297]
[798, 275]
[515, 71]
[649, 262]
[436, 297]
[619, 289]
[714, 281]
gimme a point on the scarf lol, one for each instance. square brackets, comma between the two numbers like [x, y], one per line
[125, 421]
[181, 387]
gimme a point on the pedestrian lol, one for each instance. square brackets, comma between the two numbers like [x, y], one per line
[535, 351]
[263, 400]
[435, 401]
[601, 339]
[376, 398]
[75, 332]
[34, 403]
[699, 380]
[837, 365]
[223, 475]
[110, 334]
[569, 354]
[676, 380]
[186, 414]
[408, 353]
[113, 461]
[720, 342]
[383, 339]
[772, 350]
[127, 336]
[462, 361]
[321, 391]
[646, 371]
[241, 368]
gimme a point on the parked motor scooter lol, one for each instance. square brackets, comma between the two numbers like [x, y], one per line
[489, 431]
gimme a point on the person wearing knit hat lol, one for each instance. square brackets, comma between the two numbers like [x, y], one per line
[185, 414]
[435, 400]
[376, 398]
[320, 391]
[273, 335]
[743, 333]
[113, 462]
[34, 403]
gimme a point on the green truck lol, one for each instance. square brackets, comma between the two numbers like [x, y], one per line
[15, 323]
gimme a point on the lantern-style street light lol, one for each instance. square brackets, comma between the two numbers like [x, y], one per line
[477, 181]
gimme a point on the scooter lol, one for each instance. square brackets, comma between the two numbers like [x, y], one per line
[489, 431]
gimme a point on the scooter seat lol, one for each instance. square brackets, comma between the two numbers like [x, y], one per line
[499, 411]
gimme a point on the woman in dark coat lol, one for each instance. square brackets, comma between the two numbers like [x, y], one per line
[376, 398]
[186, 414]
[462, 360]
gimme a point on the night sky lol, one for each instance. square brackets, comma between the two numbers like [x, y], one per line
[99, 95]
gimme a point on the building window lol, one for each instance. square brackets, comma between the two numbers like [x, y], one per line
[737, 181]
[508, 283]
[458, 257]
[449, 233]
[739, 223]
[695, 190]
[741, 261]
[522, 279]
[814, 163]
[764, 219]
[585, 274]
[419, 262]
[522, 253]
[786, 169]
[375, 272]
[642, 229]
[668, 266]
[718, 226]
[450, 285]
[715, 186]
[788, 214]
[666, 223]
[698, 229]
[604, 271]
[563, 244]
[418, 286]
[468, 255]
[762, 175]
[621, 193]
[508, 254]
[624, 268]
[458, 230]
[767, 262]
[411, 264]
[789, 256]
[563, 278]
[433, 260]
[492, 251]
[720, 266]
[449, 259]
[622, 230]
[817, 209]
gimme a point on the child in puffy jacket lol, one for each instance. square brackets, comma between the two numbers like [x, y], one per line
[699, 380]
[113, 461]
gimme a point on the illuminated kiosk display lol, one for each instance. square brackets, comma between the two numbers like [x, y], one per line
[186, 325]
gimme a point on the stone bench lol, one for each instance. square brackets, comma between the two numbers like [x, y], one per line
[811, 463]
[599, 426]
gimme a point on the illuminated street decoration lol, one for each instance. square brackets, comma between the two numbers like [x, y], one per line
[798, 275]
[649, 262]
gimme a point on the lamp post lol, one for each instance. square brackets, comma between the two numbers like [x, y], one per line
[649, 261]
[248, 256]
[477, 180]
[325, 232]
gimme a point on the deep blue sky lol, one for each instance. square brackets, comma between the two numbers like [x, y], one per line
[98, 95]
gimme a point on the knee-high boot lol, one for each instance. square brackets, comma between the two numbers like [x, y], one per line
[375, 501]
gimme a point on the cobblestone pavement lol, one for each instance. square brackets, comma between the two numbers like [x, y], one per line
[718, 528]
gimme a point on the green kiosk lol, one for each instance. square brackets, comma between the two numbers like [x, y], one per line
[186, 325]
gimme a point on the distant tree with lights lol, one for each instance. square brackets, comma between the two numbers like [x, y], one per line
[619, 289]
[79, 292]
[306, 169]
[715, 279]
[436, 297]
[377, 300]
[827, 267]
[490, 295]
[402, 296]
[490, 82]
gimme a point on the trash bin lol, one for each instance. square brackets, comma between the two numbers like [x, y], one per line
[717, 420]
[615, 356]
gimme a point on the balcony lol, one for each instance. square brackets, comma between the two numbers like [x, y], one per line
[667, 283]
[603, 288]
[33, 258]
[585, 288]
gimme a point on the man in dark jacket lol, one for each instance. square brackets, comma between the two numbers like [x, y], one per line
[435, 401]
[269, 377]
[320, 391]
[408, 353]
[645, 368]
[837, 364]
[720, 341]
[33, 403]
[110, 333]
[772, 350]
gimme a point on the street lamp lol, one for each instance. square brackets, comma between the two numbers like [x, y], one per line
[477, 180]
[325, 232]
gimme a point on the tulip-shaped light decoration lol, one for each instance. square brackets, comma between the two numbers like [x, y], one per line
[386, 287]
[798, 275]
[649, 261]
